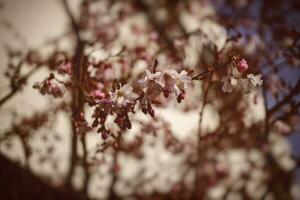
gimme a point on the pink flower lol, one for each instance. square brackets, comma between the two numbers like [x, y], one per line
[242, 66]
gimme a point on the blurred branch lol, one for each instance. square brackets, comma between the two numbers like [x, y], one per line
[196, 192]
[266, 131]
[77, 94]
[85, 166]
[112, 194]
[294, 91]
[156, 24]
[72, 19]
[17, 84]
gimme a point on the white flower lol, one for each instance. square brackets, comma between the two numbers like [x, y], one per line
[150, 77]
[124, 95]
[254, 81]
[242, 84]
[176, 82]
[229, 84]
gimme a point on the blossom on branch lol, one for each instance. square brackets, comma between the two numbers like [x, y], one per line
[229, 84]
[123, 96]
[241, 84]
[254, 80]
[49, 86]
[151, 77]
[168, 81]
[176, 82]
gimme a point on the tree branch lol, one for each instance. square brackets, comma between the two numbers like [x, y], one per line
[15, 90]
[295, 90]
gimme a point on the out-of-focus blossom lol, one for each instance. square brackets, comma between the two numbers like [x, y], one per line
[236, 163]
[282, 127]
[242, 84]
[64, 68]
[281, 151]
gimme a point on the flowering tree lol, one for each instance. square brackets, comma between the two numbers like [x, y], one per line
[128, 61]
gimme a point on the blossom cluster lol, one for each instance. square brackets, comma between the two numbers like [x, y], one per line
[49, 86]
[234, 81]
[122, 99]
[119, 102]
[168, 81]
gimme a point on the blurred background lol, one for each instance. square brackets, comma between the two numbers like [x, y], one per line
[29, 24]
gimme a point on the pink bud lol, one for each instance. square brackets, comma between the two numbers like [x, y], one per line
[242, 66]
[98, 94]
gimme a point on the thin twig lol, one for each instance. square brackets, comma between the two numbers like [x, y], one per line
[15, 90]
[199, 141]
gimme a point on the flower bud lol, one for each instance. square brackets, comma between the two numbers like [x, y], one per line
[242, 66]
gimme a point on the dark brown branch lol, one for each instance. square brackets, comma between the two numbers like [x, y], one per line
[295, 90]
[77, 95]
[199, 76]
[72, 19]
[16, 89]
[77, 104]
[155, 24]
